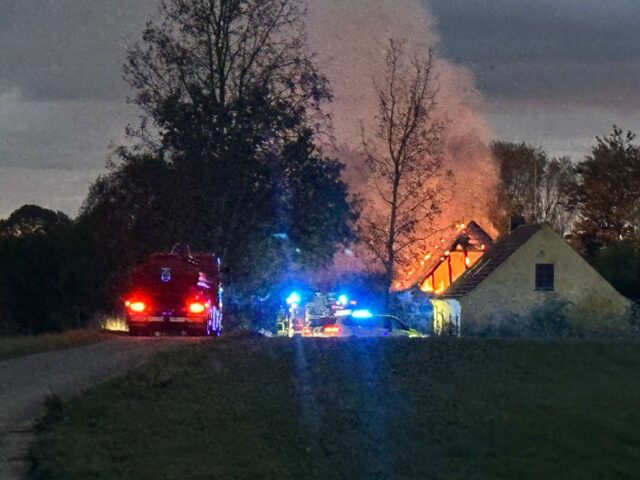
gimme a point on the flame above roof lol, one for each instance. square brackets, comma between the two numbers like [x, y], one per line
[470, 237]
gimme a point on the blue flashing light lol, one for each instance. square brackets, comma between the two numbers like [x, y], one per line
[361, 314]
[293, 298]
[343, 299]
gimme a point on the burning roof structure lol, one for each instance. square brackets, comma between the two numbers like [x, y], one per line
[449, 256]
[503, 248]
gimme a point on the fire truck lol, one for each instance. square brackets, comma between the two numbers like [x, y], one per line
[308, 315]
[177, 292]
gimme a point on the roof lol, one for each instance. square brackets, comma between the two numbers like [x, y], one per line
[472, 236]
[502, 249]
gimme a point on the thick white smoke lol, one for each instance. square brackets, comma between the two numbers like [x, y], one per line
[349, 37]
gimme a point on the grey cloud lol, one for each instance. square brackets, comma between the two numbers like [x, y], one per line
[62, 97]
[613, 84]
[544, 48]
[52, 188]
[63, 135]
[562, 130]
[68, 49]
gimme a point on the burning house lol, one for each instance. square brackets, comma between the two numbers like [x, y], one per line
[530, 268]
[450, 255]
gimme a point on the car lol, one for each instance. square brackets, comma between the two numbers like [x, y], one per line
[362, 323]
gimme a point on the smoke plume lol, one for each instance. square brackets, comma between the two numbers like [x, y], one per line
[349, 38]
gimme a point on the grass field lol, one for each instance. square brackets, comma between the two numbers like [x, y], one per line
[357, 408]
[26, 344]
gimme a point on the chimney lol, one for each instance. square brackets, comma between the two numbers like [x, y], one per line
[515, 222]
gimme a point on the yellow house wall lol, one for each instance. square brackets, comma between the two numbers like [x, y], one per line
[510, 289]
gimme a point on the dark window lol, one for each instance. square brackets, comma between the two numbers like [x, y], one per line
[545, 276]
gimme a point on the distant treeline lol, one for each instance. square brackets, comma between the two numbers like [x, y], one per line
[50, 279]
[56, 273]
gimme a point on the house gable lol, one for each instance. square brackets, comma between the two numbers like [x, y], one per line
[510, 287]
[497, 254]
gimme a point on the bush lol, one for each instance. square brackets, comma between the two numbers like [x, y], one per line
[556, 319]
[415, 308]
[504, 325]
[620, 265]
[550, 320]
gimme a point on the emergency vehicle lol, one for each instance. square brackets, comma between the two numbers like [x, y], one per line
[308, 314]
[176, 292]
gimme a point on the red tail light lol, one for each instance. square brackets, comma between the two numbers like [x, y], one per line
[332, 330]
[136, 307]
[197, 308]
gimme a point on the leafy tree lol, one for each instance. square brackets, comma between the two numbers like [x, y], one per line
[127, 215]
[309, 214]
[42, 284]
[608, 192]
[405, 159]
[232, 70]
[32, 220]
[316, 205]
[619, 263]
[224, 157]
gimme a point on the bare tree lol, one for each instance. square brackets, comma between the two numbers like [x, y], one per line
[534, 186]
[406, 161]
[521, 167]
[555, 188]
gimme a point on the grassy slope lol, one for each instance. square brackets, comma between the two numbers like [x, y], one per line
[401, 408]
[24, 345]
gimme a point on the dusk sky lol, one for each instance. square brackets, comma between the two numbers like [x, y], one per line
[554, 73]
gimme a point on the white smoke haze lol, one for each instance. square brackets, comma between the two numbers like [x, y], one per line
[350, 37]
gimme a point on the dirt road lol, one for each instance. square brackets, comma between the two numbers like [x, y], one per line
[26, 382]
